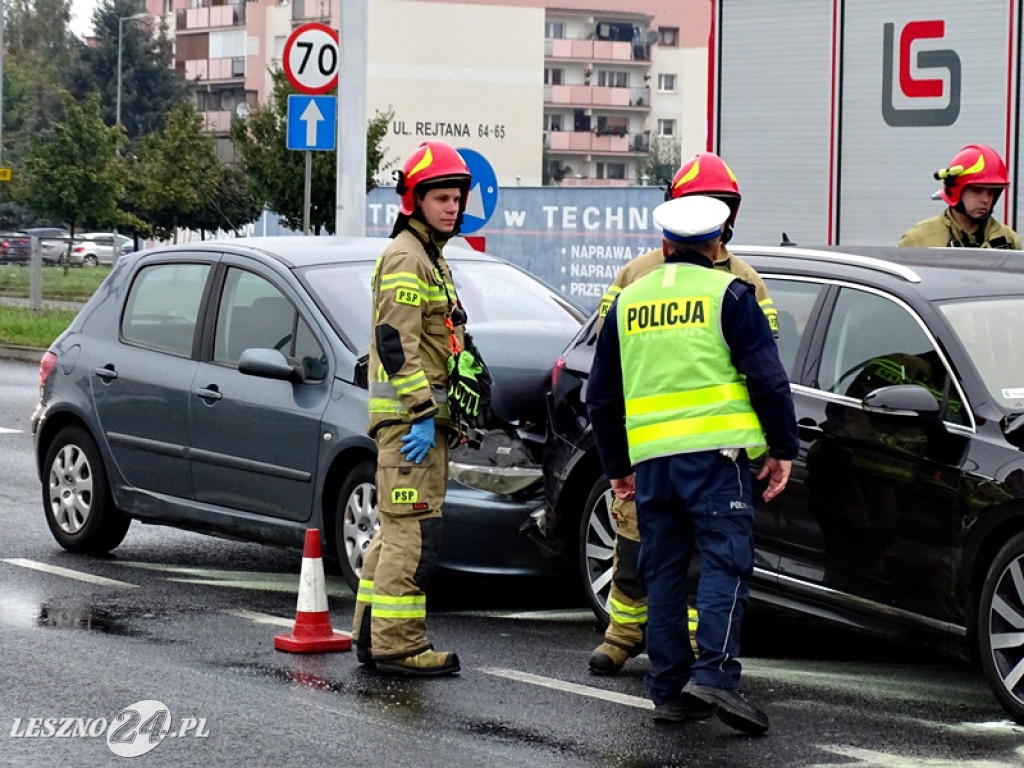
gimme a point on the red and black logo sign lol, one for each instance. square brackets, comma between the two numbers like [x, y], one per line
[912, 87]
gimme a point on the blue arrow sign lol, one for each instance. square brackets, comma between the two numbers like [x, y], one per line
[311, 122]
[483, 194]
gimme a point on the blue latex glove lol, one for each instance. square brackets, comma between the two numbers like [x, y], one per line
[419, 440]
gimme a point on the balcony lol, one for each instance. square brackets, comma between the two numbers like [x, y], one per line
[592, 143]
[229, 68]
[311, 10]
[597, 96]
[216, 122]
[190, 19]
[596, 50]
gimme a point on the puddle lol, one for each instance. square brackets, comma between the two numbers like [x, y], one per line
[297, 677]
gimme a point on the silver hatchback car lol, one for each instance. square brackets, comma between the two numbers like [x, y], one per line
[221, 387]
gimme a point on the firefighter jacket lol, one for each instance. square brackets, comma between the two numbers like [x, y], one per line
[672, 408]
[413, 295]
[647, 262]
[942, 230]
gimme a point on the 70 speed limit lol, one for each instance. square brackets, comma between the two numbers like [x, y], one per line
[311, 58]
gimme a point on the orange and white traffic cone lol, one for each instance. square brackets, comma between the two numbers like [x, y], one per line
[312, 632]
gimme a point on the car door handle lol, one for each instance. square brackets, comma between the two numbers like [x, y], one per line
[209, 392]
[107, 372]
[809, 429]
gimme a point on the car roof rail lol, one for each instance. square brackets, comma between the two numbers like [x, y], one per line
[868, 262]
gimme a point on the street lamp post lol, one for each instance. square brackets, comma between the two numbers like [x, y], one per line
[120, 36]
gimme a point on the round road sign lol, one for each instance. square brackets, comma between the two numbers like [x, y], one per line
[311, 58]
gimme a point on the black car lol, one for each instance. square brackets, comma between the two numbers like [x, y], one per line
[904, 515]
[221, 387]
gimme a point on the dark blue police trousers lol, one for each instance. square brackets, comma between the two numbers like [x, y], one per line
[686, 501]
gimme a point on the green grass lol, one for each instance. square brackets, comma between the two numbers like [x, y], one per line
[78, 284]
[21, 327]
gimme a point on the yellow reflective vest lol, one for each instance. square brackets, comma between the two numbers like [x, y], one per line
[682, 392]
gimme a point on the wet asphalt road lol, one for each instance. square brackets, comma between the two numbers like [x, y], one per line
[188, 621]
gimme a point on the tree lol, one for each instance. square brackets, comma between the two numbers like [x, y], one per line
[231, 206]
[277, 174]
[663, 161]
[178, 170]
[149, 84]
[72, 173]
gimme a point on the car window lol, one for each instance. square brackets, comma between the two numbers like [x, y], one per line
[162, 308]
[988, 330]
[794, 300]
[873, 342]
[489, 290]
[254, 313]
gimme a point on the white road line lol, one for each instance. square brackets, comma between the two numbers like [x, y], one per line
[67, 572]
[869, 758]
[576, 615]
[8, 431]
[266, 618]
[257, 580]
[561, 685]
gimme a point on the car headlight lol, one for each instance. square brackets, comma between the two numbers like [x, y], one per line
[504, 480]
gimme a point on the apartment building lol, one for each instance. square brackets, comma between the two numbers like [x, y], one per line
[570, 92]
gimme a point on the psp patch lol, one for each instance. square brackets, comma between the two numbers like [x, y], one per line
[404, 495]
[405, 296]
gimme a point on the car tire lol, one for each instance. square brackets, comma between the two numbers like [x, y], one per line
[356, 519]
[597, 547]
[90, 260]
[999, 635]
[76, 496]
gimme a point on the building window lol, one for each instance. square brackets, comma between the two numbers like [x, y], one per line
[553, 76]
[668, 36]
[667, 83]
[168, 6]
[611, 170]
[552, 122]
[613, 79]
[666, 127]
[612, 126]
[238, 66]
[554, 29]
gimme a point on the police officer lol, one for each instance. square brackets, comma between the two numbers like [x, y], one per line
[686, 379]
[971, 187]
[417, 325]
[704, 174]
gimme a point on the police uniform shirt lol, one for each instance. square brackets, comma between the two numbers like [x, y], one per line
[753, 353]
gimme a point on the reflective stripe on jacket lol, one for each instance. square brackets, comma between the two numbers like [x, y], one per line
[682, 392]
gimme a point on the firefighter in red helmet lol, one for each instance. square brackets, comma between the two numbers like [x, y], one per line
[971, 186]
[418, 324]
[704, 174]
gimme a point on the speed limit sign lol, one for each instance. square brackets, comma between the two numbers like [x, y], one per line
[311, 58]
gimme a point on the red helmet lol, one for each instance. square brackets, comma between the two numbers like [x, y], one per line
[974, 165]
[707, 174]
[436, 162]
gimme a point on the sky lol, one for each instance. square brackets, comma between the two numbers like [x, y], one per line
[81, 16]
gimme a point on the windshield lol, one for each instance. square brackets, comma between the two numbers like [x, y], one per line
[987, 328]
[490, 292]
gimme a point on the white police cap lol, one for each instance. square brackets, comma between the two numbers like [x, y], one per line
[691, 219]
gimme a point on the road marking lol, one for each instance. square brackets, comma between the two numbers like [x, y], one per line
[8, 431]
[561, 685]
[255, 580]
[869, 758]
[266, 618]
[67, 572]
[576, 615]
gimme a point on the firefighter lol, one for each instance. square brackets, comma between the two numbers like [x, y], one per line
[971, 187]
[418, 324]
[704, 174]
[686, 380]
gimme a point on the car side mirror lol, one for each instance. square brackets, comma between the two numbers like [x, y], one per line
[902, 400]
[270, 364]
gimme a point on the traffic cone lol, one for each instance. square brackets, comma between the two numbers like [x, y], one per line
[312, 632]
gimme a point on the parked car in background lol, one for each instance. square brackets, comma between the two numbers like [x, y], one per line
[53, 242]
[904, 514]
[95, 248]
[15, 248]
[221, 387]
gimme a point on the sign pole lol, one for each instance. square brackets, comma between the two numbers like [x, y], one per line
[307, 192]
[350, 192]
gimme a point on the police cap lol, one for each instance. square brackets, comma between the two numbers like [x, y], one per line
[691, 219]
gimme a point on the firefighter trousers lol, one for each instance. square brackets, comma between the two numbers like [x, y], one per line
[627, 599]
[686, 502]
[391, 603]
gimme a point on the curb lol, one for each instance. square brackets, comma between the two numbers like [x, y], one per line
[24, 354]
